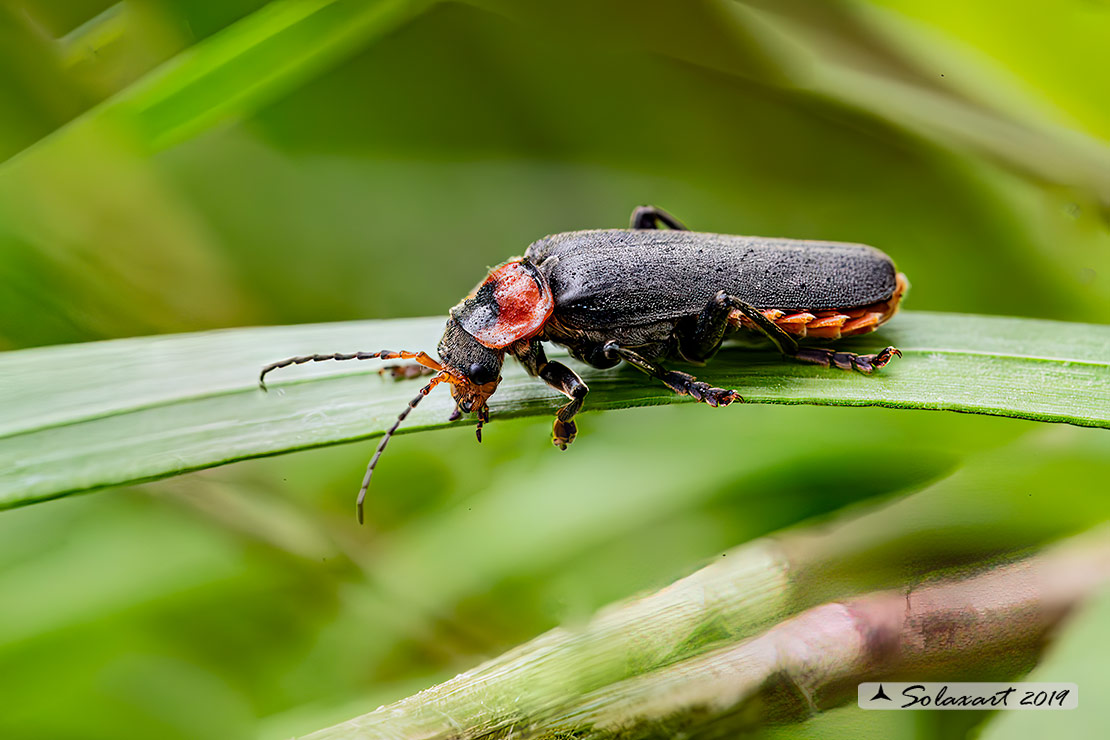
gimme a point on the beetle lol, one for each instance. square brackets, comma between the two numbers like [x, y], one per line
[641, 295]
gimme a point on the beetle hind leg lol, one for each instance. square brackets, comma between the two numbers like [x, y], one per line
[824, 356]
[681, 383]
[650, 217]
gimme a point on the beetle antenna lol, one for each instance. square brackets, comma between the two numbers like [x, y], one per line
[385, 440]
[422, 357]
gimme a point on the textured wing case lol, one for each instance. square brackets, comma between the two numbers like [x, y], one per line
[623, 277]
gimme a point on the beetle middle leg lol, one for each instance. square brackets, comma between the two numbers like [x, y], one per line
[683, 384]
[713, 323]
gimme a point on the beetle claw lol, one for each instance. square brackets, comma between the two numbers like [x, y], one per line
[564, 433]
[720, 396]
[729, 396]
[883, 357]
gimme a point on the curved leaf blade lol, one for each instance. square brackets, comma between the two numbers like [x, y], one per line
[81, 417]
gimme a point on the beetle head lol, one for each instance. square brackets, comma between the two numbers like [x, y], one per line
[474, 368]
[471, 369]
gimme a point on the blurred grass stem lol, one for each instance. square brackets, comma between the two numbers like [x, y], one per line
[628, 672]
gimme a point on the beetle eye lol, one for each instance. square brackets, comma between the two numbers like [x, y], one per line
[479, 374]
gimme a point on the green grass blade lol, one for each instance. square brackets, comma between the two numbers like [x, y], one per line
[247, 65]
[79, 417]
[256, 60]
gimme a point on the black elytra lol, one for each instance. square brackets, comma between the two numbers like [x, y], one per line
[642, 295]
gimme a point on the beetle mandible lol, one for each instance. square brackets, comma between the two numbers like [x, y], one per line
[642, 295]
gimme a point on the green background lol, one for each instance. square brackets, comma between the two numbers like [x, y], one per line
[371, 162]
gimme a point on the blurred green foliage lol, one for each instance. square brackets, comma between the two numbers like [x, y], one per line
[173, 166]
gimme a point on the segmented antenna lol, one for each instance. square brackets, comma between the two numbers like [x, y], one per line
[385, 440]
[422, 357]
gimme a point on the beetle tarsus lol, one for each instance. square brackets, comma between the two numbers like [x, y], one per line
[865, 364]
[563, 433]
[681, 383]
[687, 385]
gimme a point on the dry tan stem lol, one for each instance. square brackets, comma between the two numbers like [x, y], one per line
[949, 630]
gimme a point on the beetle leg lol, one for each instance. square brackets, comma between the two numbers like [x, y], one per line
[847, 360]
[530, 355]
[407, 371]
[786, 344]
[818, 355]
[561, 378]
[650, 217]
[699, 344]
[681, 383]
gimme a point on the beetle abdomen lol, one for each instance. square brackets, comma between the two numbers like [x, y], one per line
[620, 277]
[830, 323]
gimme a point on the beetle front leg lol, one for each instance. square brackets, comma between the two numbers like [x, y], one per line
[683, 384]
[561, 378]
[817, 355]
[650, 217]
[566, 381]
